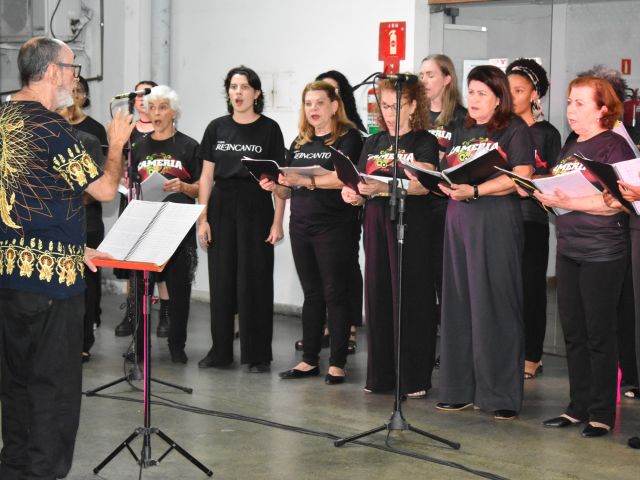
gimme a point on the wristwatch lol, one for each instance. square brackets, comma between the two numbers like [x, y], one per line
[476, 194]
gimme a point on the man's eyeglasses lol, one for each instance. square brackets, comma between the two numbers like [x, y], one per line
[76, 68]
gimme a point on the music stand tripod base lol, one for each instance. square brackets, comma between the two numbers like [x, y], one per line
[146, 459]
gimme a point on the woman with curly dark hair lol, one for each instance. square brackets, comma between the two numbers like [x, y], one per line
[240, 226]
[419, 321]
[528, 82]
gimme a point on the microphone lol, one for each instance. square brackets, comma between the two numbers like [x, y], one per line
[408, 78]
[134, 94]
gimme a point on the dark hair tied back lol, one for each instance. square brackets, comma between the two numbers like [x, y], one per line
[254, 82]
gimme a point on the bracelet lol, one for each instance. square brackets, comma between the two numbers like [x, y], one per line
[476, 193]
[313, 184]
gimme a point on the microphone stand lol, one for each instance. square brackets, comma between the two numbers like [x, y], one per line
[398, 194]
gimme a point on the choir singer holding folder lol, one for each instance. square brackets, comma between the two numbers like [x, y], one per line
[174, 155]
[419, 320]
[592, 256]
[482, 338]
[324, 230]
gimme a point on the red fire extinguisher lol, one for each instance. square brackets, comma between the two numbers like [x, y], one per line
[372, 112]
[631, 116]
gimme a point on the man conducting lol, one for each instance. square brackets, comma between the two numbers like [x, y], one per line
[44, 170]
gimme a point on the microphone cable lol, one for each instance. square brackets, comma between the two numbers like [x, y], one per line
[167, 402]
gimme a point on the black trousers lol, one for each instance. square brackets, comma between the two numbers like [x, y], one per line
[419, 321]
[324, 263]
[588, 294]
[634, 233]
[355, 289]
[482, 338]
[92, 294]
[41, 384]
[436, 241]
[627, 331]
[240, 214]
[177, 275]
[534, 283]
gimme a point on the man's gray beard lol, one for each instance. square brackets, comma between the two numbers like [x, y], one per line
[64, 98]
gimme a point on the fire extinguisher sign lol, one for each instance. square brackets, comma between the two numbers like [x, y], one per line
[391, 44]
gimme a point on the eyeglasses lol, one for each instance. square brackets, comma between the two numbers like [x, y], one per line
[76, 68]
[392, 108]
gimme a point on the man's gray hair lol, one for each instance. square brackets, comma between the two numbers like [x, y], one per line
[35, 56]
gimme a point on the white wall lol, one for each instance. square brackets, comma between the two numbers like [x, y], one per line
[289, 41]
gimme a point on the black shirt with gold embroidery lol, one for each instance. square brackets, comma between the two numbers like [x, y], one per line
[43, 171]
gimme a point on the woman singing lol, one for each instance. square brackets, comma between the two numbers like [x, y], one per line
[419, 322]
[174, 155]
[239, 225]
[528, 82]
[438, 76]
[482, 329]
[324, 230]
[592, 257]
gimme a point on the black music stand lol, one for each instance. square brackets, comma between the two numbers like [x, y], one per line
[397, 421]
[145, 460]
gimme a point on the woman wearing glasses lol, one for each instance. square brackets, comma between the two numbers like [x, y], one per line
[419, 323]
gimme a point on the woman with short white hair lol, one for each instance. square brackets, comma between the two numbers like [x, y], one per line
[173, 155]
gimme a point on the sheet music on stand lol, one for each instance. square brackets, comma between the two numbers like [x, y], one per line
[148, 234]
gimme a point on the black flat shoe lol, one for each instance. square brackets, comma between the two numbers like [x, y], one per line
[505, 414]
[559, 422]
[293, 373]
[178, 356]
[590, 431]
[634, 442]
[352, 346]
[452, 407]
[334, 379]
[261, 367]
[209, 361]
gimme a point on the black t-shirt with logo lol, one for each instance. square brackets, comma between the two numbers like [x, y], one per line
[514, 141]
[583, 236]
[546, 141]
[377, 153]
[175, 157]
[225, 142]
[444, 133]
[320, 208]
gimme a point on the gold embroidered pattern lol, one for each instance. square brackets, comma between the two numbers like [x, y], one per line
[76, 166]
[28, 256]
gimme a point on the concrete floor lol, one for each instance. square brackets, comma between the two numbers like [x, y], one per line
[233, 449]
